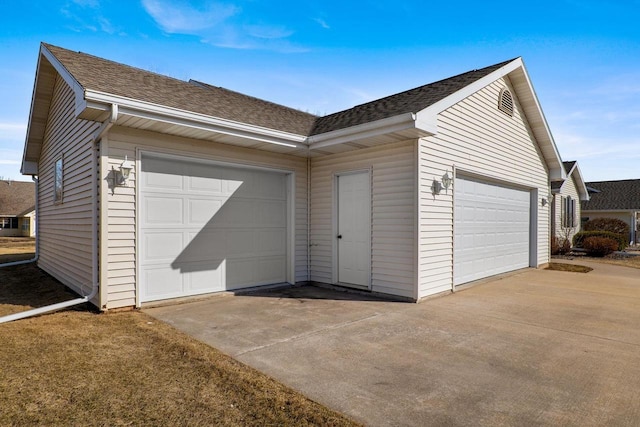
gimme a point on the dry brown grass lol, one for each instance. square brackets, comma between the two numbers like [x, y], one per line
[16, 248]
[633, 262]
[79, 367]
[559, 266]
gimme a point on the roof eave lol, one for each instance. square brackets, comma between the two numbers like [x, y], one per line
[408, 124]
[580, 183]
[40, 104]
[100, 104]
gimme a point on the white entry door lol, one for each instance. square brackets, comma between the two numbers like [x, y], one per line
[492, 224]
[354, 229]
[208, 227]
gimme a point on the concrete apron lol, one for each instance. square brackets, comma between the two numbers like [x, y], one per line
[535, 348]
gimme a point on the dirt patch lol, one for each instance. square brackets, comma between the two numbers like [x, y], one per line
[558, 266]
[79, 367]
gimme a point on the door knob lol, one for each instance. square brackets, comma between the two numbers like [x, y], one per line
[339, 236]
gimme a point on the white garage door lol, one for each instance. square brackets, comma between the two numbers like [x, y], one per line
[207, 228]
[491, 229]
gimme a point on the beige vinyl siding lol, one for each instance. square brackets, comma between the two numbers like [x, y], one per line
[65, 234]
[393, 176]
[122, 205]
[474, 137]
[569, 188]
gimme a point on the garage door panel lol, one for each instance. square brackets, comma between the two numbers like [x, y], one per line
[163, 246]
[201, 211]
[236, 212]
[204, 245]
[220, 228]
[204, 278]
[163, 210]
[164, 282]
[491, 229]
[272, 213]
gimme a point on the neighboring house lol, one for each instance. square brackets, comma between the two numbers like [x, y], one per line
[17, 209]
[615, 199]
[227, 191]
[565, 205]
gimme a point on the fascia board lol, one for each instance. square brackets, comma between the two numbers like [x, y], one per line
[557, 172]
[397, 123]
[142, 109]
[78, 90]
[454, 98]
[582, 187]
[28, 167]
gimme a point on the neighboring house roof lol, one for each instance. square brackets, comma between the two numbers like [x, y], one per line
[410, 101]
[109, 92]
[614, 196]
[573, 172]
[17, 198]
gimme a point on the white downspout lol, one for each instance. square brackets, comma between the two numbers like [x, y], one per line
[35, 257]
[94, 229]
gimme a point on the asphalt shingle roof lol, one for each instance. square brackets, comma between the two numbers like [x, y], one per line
[114, 78]
[614, 195]
[410, 101]
[568, 166]
[17, 198]
[110, 77]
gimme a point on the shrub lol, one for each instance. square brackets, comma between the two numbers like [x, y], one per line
[612, 225]
[599, 246]
[560, 245]
[622, 241]
[555, 246]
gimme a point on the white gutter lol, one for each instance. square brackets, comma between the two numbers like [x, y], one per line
[94, 231]
[161, 113]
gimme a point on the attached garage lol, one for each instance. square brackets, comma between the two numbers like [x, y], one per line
[224, 191]
[492, 229]
[207, 227]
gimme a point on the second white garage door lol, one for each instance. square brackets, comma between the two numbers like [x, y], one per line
[206, 228]
[492, 225]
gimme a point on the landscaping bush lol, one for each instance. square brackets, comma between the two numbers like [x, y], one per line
[612, 225]
[622, 241]
[560, 246]
[599, 246]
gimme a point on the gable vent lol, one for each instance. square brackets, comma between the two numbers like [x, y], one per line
[505, 103]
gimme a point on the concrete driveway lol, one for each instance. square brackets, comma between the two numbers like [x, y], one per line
[533, 348]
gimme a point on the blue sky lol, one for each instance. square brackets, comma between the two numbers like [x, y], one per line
[583, 57]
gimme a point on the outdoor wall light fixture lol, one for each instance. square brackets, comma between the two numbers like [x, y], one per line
[125, 171]
[446, 180]
[544, 201]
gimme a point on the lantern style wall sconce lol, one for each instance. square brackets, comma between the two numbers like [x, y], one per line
[125, 171]
[544, 201]
[437, 186]
[446, 181]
